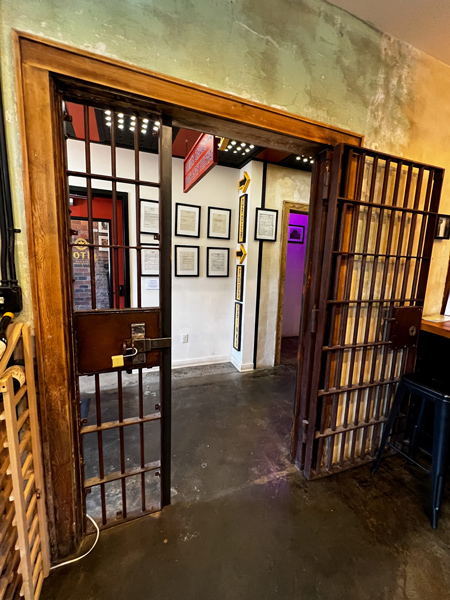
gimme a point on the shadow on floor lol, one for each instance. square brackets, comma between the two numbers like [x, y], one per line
[244, 523]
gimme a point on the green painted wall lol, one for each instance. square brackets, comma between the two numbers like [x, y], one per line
[305, 56]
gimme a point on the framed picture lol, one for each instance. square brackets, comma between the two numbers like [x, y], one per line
[237, 326]
[149, 216]
[219, 220]
[296, 234]
[217, 262]
[239, 293]
[242, 227]
[150, 261]
[187, 220]
[443, 228]
[103, 241]
[266, 224]
[103, 226]
[187, 261]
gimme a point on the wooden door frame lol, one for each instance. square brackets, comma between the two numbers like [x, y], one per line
[38, 61]
[302, 208]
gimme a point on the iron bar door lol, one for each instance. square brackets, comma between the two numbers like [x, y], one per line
[119, 161]
[373, 221]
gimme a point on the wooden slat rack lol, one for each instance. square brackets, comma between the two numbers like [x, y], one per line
[24, 547]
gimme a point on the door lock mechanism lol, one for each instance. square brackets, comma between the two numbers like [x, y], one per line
[138, 345]
[412, 331]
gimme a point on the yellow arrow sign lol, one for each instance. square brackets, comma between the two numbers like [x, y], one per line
[244, 182]
[241, 254]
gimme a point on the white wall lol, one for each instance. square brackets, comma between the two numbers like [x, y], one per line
[243, 360]
[201, 307]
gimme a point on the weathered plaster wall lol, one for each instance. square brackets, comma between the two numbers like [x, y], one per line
[282, 185]
[306, 56]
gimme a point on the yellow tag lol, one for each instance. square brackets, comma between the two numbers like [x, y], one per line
[117, 361]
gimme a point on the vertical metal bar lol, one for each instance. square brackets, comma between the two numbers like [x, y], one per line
[122, 444]
[423, 227]
[115, 235]
[141, 435]
[138, 212]
[165, 295]
[87, 151]
[101, 464]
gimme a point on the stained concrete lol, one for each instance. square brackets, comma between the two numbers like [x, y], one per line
[244, 523]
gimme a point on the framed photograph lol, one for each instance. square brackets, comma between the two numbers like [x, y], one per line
[149, 216]
[103, 241]
[296, 234]
[443, 228]
[217, 262]
[219, 220]
[266, 225]
[187, 261]
[242, 227]
[150, 261]
[187, 220]
[103, 226]
[239, 292]
[237, 326]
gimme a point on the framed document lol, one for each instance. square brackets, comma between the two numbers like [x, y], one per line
[266, 225]
[217, 262]
[237, 326]
[219, 220]
[149, 216]
[296, 234]
[150, 261]
[242, 227]
[187, 261]
[187, 220]
[239, 294]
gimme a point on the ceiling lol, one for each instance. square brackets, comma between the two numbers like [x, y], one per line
[425, 24]
[235, 153]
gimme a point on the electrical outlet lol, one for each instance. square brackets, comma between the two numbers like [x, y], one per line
[184, 338]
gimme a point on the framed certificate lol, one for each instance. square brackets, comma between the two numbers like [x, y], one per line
[237, 326]
[149, 216]
[239, 293]
[187, 261]
[217, 262]
[150, 261]
[242, 227]
[296, 234]
[219, 220]
[187, 220]
[266, 225]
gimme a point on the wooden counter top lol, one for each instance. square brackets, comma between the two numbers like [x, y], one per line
[442, 329]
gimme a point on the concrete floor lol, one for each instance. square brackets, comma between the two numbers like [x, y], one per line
[244, 524]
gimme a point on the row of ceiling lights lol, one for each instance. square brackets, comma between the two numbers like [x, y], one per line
[236, 147]
[305, 159]
[132, 123]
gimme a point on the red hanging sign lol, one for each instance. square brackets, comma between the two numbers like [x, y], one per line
[200, 160]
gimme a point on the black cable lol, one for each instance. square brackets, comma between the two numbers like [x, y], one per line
[7, 231]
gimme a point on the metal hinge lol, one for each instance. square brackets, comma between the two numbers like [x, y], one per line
[314, 315]
[305, 424]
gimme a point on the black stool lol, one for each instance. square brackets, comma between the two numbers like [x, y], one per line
[430, 391]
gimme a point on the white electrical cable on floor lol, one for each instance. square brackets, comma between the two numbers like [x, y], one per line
[68, 562]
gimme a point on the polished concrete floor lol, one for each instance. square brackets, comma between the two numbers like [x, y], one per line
[244, 524]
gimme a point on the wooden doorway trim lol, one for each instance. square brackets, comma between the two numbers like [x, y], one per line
[38, 62]
[303, 208]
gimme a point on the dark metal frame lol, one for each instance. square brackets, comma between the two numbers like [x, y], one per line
[176, 260]
[176, 219]
[336, 210]
[218, 237]
[258, 211]
[227, 250]
[162, 412]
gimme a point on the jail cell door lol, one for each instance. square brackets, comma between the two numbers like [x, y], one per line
[118, 170]
[373, 223]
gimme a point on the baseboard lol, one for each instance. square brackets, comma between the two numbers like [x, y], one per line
[240, 366]
[200, 362]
